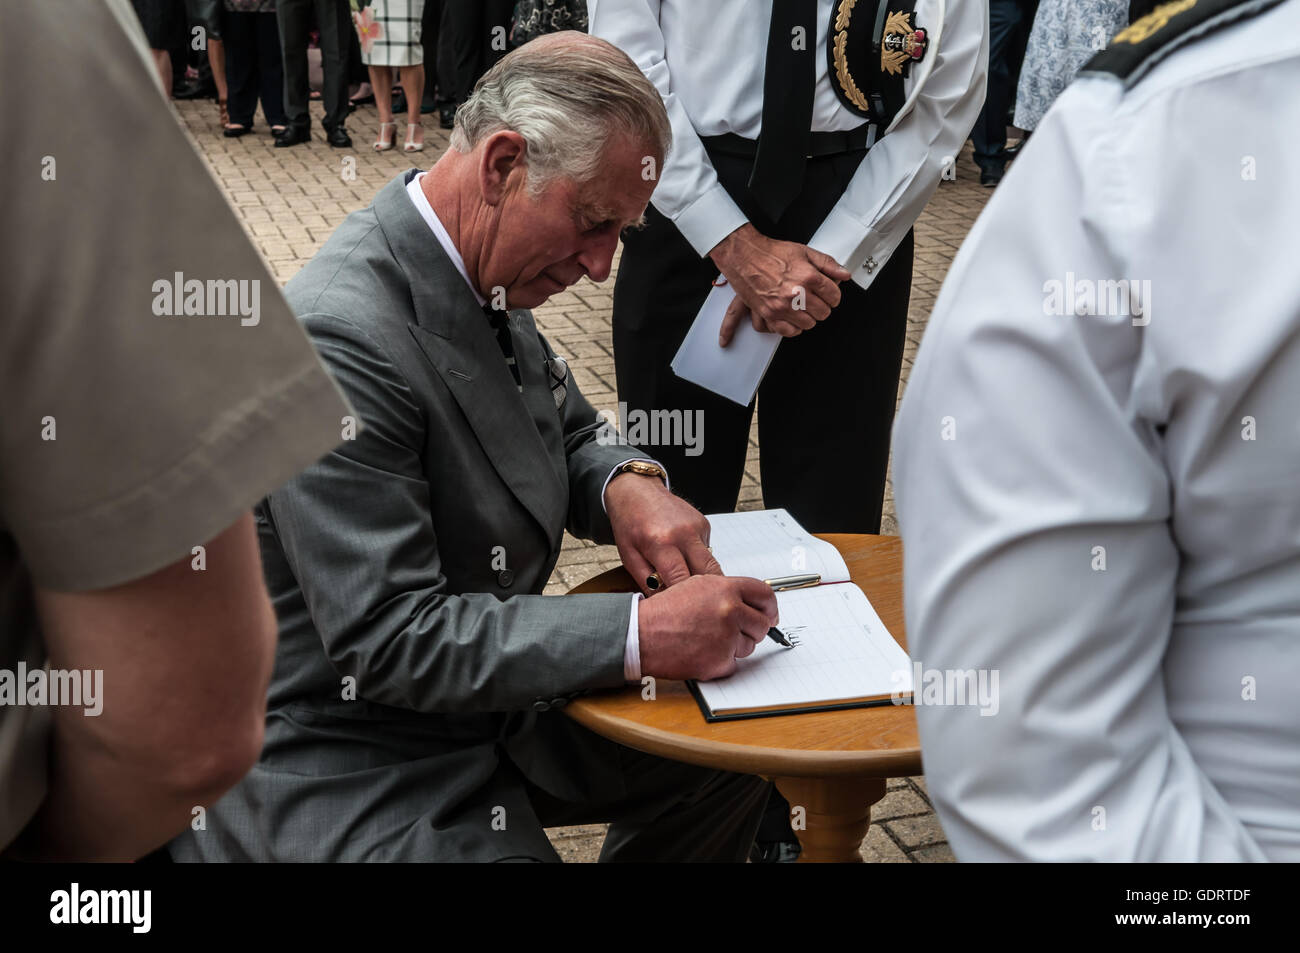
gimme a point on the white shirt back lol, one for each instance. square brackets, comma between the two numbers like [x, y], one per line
[1102, 501]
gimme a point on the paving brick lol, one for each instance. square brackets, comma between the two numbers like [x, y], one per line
[938, 854]
[878, 848]
[900, 803]
[578, 845]
[920, 831]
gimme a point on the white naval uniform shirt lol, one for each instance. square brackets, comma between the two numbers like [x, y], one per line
[707, 60]
[1148, 710]
[414, 191]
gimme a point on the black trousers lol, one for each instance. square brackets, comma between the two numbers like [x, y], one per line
[1009, 24]
[333, 19]
[472, 36]
[430, 30]
[826, 405]
[253, 68]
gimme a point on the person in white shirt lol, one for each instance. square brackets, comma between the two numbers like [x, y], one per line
[1096, 463]
[808, 135]
[771, 184]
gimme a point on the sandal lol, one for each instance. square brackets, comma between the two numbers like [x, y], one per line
[411, 144]
[225, 114]
[384, 143]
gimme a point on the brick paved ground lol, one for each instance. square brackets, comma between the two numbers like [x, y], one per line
[291, 200]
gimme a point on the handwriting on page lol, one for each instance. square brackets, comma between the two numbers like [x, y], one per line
[844, 652]
[791, 633]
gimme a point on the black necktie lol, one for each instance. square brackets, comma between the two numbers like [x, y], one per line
[500, 321]
[788, 82]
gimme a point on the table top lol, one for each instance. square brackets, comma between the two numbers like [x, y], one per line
[865, 742]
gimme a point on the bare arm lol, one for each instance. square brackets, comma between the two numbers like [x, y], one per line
[186, 657]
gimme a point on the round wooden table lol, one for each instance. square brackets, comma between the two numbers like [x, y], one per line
[831, 764]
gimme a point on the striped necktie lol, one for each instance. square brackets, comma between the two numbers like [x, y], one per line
[500, 321]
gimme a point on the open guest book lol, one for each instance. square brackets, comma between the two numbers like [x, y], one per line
[841, 654]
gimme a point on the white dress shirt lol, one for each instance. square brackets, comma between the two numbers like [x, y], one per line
[1106, 507]
[707, 60]
[632, 646]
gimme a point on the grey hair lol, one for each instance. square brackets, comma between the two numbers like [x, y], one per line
[567, 94]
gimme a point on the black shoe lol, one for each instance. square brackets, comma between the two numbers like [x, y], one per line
[774, 852]
[1010, 152]
[293, 136]
[339, 138]
[446, 117]
[234, 132]
[989, 180]
[195, 91]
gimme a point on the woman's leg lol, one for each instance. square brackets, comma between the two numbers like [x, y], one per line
[381, 80]
[162, 61]
[413, 84]
[217, 59]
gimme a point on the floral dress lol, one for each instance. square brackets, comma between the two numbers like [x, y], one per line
[1066, 34]
[389, 32]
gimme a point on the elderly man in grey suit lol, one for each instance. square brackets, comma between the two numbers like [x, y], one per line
[412, 714]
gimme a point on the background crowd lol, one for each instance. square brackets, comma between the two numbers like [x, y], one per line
[415, 57]
[421, 57]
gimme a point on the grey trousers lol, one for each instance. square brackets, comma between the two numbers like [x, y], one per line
[668, 812]
[374, 797]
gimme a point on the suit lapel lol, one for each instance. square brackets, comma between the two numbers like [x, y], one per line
[454, 335]
[537, 391]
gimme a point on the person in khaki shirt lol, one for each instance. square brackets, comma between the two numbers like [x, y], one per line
[130, 435]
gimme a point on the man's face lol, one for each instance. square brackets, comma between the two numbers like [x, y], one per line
[542, 245]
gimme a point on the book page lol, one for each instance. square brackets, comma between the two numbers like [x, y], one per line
[769, 543]
[842, 651]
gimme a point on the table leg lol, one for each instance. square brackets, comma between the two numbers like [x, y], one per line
[837, 813]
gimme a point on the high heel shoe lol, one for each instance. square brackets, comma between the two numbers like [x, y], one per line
[411, 145]
[384, 143]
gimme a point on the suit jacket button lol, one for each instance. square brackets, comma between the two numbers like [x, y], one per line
[505, 577]
[559, 702]
[540, 705]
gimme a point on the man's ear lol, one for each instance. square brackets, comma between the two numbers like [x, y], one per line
[504, 152]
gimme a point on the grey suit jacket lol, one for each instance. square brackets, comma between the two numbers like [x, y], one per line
[380, 562]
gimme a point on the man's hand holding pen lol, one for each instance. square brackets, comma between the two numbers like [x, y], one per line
[700, 621]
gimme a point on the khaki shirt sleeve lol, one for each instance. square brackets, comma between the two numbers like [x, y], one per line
[130, 433]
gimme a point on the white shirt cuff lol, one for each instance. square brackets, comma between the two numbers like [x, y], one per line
[632, 649]
[614, 472]
[709, 219]
[862, 251]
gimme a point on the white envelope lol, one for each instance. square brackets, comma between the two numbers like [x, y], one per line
[735, 371]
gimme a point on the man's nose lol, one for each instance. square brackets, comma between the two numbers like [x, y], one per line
[597, 255]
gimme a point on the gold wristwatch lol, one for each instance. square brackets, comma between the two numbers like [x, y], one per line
[641, 468]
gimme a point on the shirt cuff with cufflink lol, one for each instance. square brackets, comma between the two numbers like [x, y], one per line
[863, 252]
